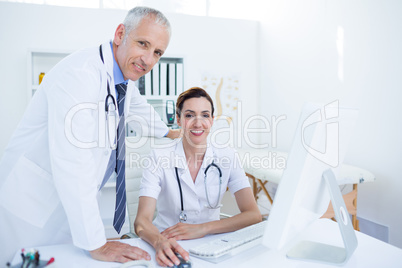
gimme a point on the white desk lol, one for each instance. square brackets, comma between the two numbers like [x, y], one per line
[369, 253]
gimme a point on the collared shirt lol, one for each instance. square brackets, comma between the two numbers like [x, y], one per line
[117, 74]
[159, 181]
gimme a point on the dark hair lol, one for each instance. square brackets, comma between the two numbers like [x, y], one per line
[194, 92]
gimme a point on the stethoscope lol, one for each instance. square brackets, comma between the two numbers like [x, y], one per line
[183, 215]
[111, 112]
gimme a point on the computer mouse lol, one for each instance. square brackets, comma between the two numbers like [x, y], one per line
[183, 263]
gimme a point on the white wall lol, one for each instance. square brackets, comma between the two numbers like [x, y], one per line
[209, 45]
[25, 26]
[300, 62]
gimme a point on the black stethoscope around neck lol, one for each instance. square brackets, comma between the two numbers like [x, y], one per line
[183, 215]
[111, 112]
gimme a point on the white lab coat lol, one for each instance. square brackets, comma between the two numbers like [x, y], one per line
[46, 178]
[159, 181]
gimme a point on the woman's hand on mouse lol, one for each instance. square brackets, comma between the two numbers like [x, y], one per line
[165, 252]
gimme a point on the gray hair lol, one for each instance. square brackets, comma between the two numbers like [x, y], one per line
[135, 16]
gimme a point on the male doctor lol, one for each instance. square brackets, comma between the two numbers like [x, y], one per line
[58, 158]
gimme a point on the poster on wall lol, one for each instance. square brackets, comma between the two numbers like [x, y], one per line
[224, 91]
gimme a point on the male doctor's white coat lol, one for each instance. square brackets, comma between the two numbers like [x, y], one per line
[56, 160]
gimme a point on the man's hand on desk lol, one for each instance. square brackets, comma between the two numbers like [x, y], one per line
[174, 134]
[119, 252]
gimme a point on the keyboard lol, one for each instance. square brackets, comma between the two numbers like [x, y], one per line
[228, 245]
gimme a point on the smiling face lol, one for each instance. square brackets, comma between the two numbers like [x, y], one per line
[142, 48]
[196, 121]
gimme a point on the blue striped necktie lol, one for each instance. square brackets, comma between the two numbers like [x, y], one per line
[120, 210]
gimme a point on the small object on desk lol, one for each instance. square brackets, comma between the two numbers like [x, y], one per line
[31, 259]
[50, 261]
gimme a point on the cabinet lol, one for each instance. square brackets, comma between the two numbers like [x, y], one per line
[164, 80]
[161, 87]
[41, 61]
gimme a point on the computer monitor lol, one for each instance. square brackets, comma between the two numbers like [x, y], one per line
[303, 195]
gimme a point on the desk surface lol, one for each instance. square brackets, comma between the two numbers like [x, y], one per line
[369, 253]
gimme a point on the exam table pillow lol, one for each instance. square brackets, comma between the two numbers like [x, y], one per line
[263, 164]
[353, 174]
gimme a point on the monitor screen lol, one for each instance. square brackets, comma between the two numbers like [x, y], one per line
[319, 144]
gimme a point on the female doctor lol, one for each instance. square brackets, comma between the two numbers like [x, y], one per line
[186, 183]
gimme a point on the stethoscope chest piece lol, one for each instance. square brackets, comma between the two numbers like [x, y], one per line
[182, 216]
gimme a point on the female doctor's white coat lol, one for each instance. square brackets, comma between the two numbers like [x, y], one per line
[56, 160]
[159, 182]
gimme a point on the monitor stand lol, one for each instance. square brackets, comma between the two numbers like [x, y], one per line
[323, 253]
